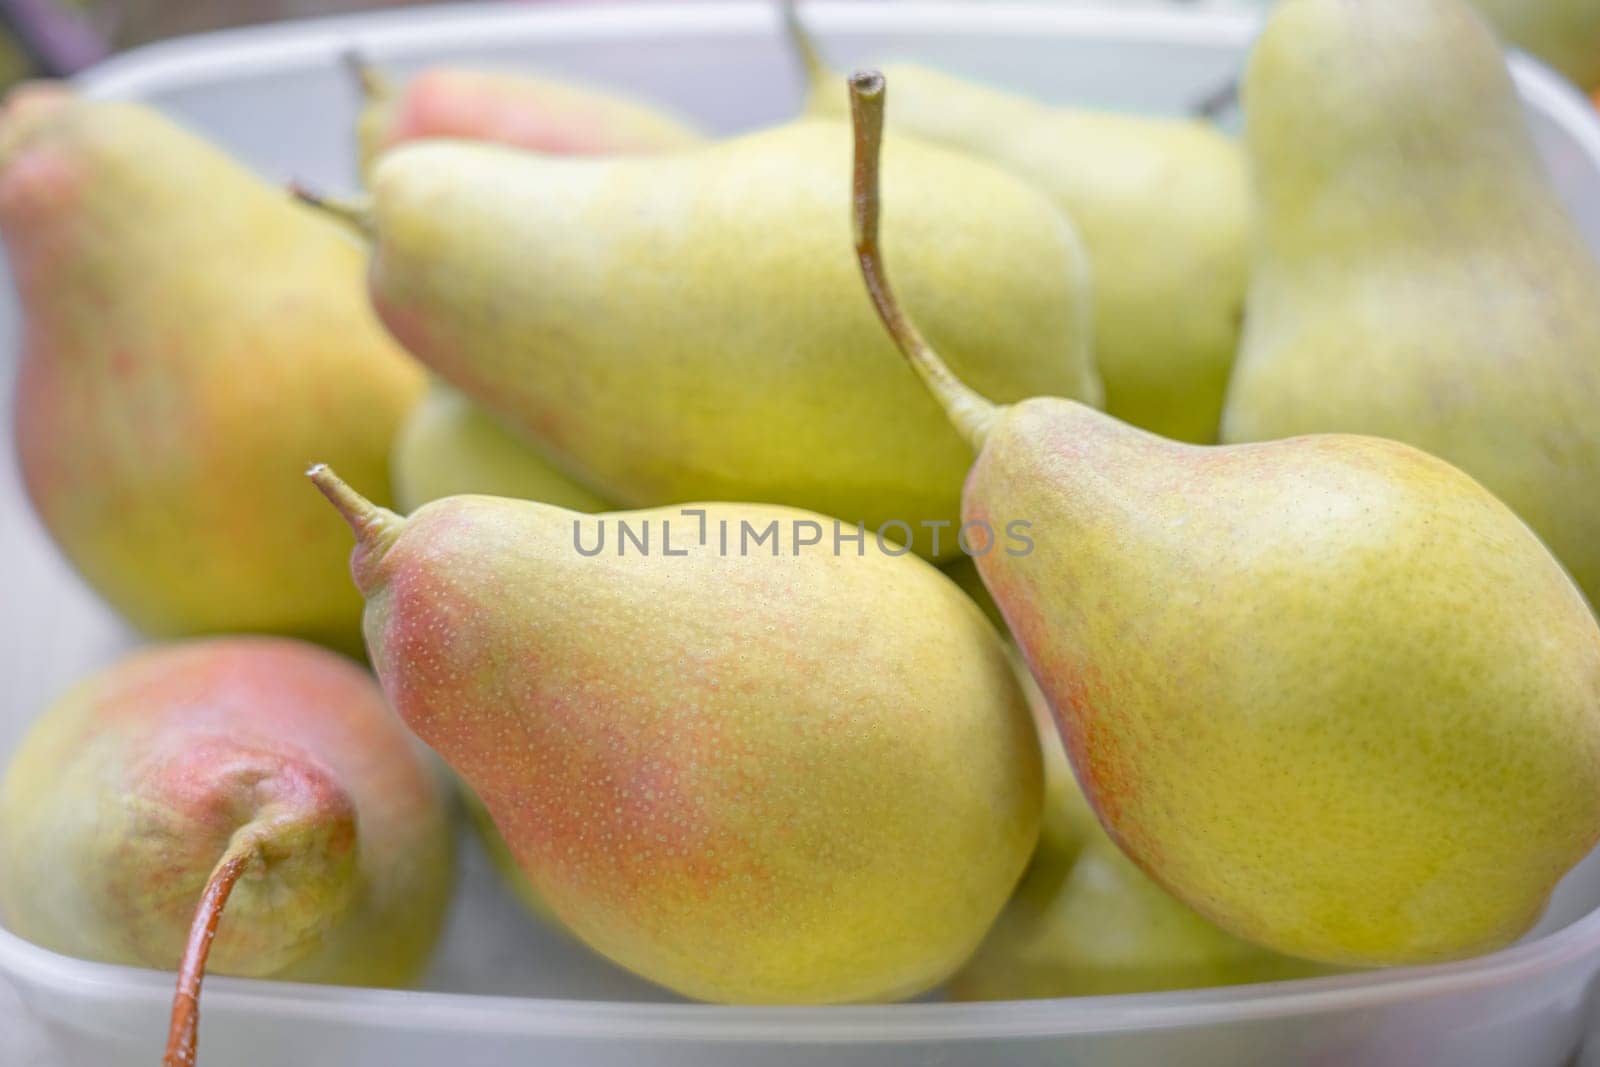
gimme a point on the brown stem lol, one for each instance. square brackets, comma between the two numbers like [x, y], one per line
[354, 213]
[183, 1035]
[971, 414]
[1216, 104]
[375, 86]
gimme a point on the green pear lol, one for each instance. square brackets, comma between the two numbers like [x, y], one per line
[1563, 33]
[1100, 926]
[1086, 921]
[1417, 276]
[260, 775]
[1164, 209]
[449, 446]
[1330, 692]
[780, 771]
[190, 336]
[511, 108]
[690, 327]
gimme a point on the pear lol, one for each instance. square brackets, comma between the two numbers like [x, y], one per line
[189, 335]
[690, 327]
[258, 775]
[775, 771]
[449, 446]
[1086, 921]
[1330, 692]
[511, 108]
[1563, 33]
[1417, 276]
[1164, 209]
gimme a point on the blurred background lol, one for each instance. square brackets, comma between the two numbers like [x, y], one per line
[60, 37]
[56, 37]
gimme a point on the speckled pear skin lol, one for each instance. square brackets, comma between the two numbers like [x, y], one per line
[1418, 277]
[1164, 209]
[1086, 921]
[191, 338]
[1328, 691]
[692, 327]
[518, 109]
[1563, 33]
[127, 791]
[803, 779]
[450, 446]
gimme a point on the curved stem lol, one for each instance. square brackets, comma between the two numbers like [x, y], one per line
[972, 415]
[356, 213]
[804, 45]
[375, 85]
[183, 1035]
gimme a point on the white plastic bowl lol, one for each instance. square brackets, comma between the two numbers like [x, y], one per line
[504, 991]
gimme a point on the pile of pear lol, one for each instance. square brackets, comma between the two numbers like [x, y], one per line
[1297, 669]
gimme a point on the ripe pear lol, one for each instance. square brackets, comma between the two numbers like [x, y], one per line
[541, 114]
[1329, 692]
[690, 327]
[1086, 921]
[786, 773]
[1164, 209]
[259, 775]
[450, 446]
[1417, 276]
[1563, 33]
[189, 335]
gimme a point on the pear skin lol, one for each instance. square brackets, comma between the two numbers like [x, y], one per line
[505, 107]
[759, 776]
[1164, 209]
[190, 337]
[690, 327]
[1100, 927]
[133, 795]
[1563, 33]
[450, 446]
[1086, 921]
[1329, 692]
[1417, 276]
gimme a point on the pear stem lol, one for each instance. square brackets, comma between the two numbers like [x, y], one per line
[184, 1033]
[373, 526]
[355, 213]
[1215, 105]
[374, 84]
[803, 44]
[972, 415]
